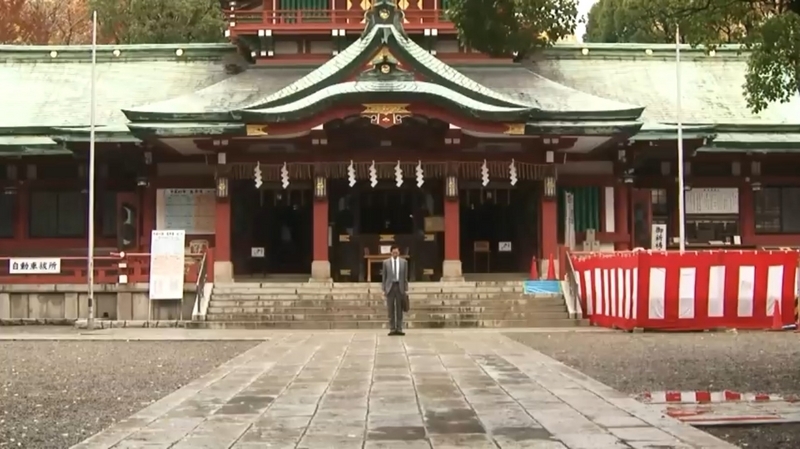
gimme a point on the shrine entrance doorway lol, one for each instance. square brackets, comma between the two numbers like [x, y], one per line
[366, 221]
[498, 227]
[271, 229]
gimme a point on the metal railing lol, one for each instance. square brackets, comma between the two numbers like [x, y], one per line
[322, 18]
[200, 287]
[109, 268]
[71, 270]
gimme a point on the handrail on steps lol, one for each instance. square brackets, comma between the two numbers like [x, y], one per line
[200, 287]
[573, 287]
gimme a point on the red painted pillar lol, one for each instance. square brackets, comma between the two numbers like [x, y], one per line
[320, 266]
[622, 216]
[549, 231]
[223, 266]
[452, 227]
[451, 267]
[148, 212]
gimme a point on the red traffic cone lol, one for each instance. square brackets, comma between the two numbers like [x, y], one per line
[551, 268]
[777, 321]
[534, 270]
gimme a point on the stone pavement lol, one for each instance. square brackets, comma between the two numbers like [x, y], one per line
[447, 390]
[68, 333]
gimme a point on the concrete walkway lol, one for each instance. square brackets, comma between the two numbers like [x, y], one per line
[16, 333]
[446, 390]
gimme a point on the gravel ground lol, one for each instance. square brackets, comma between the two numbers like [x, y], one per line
[634, 363]
[38, 330]
[56, 394]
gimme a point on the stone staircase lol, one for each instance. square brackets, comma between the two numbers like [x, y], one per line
[296, 305]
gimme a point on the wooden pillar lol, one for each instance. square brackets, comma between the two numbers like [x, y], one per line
[223, 266]
[147, 210]
[23, 212]
[548, 215]
[747, 223]
[148, 200]
[451, 267]
[321, 265]
[622, 216]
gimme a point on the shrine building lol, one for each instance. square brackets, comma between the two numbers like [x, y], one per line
[320, 137]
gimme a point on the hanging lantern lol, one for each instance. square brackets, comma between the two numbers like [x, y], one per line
[451, 187]
[222, 187]
[320, 187]
[550, 187]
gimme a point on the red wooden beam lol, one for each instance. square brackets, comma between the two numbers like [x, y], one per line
[315, 21]
[357, 109]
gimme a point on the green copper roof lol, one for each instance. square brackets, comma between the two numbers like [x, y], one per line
[188, 129]
[55, 92]
[384, 40]
[666, 131]
[359, 92]
[48, 87]
[216, 102]
[335, 70]
[30, 146]
[711, 89]
[748, 142]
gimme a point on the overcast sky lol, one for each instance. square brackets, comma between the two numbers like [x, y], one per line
[583, 9]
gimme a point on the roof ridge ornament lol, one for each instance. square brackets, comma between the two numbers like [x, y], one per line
[385, 67]
[384, 12]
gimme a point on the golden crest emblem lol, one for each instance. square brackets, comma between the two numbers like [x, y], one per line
[386, 115]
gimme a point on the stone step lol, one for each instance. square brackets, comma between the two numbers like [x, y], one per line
[411, 316]
[347, 291]
[379, 295]
[346, 285]
[323, 325]
[378, 302]
[381, 308]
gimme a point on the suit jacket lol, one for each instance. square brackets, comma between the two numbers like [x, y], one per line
[388, 277]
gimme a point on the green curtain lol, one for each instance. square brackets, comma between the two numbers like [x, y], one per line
[443, 5]
[303, 4]
[587, 207]
[309, 8]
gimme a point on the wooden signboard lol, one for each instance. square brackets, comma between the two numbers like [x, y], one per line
[723, 201]
[434, 224]
[191, 210]
[481, 246]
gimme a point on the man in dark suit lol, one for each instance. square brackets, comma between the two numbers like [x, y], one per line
[395, 288]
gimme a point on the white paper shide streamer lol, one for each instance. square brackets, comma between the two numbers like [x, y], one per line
[398, 174]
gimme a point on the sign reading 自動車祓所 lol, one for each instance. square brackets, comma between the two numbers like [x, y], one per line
[34, 265]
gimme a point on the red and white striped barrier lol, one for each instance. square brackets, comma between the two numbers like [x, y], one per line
[690, 291]
[709, 397]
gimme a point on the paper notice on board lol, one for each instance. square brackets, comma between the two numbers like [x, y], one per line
[167, 262]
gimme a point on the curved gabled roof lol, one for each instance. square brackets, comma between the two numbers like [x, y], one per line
[382, 41]
[363, 91]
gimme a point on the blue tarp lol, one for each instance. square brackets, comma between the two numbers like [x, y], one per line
[533, 287]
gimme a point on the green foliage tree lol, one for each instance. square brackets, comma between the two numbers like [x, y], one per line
[512, 27]
[159, 21]
[770, 29]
